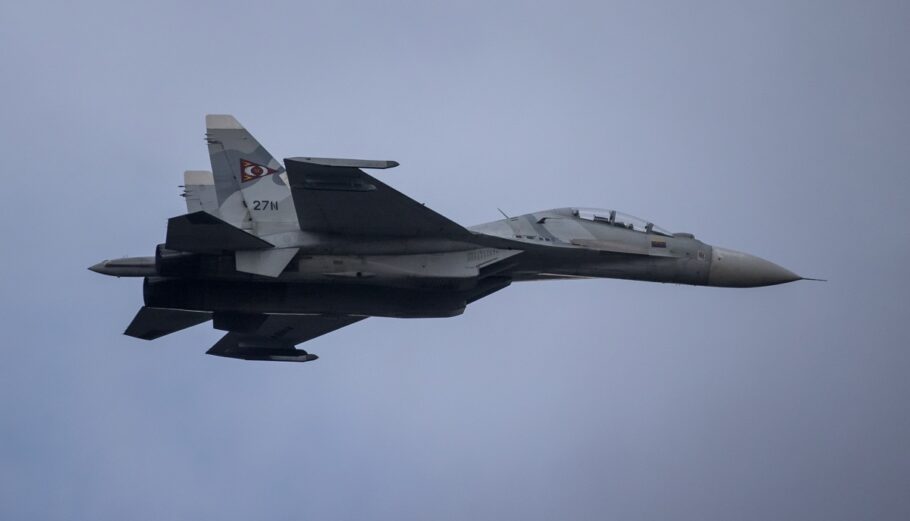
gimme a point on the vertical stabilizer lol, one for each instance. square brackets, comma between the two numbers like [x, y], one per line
[199, 192]
[251, 186]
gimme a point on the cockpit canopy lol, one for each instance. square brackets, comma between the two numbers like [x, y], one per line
[619, 219]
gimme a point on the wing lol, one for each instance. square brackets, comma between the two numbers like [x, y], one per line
[336, 196]
[152, 323]
[273, 336]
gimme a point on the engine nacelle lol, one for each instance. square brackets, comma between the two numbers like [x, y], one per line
[173, 263]
[280, 297]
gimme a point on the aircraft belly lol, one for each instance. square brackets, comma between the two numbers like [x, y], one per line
[321, 298]
[457, 268]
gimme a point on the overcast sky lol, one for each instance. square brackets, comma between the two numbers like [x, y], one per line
[777, 128]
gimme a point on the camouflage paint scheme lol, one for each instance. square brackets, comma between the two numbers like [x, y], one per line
[277, 254]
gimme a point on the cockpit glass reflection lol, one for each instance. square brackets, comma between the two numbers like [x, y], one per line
[621, 220]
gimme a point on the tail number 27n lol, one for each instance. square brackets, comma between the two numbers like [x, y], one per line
[264, 205]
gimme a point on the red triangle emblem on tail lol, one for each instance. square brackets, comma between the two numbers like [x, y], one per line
[250, 170]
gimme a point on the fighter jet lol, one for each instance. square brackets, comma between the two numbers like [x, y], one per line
[278, 254]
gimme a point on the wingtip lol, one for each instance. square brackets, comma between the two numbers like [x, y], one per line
[813, 280]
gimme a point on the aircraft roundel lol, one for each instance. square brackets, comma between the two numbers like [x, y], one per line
[250, 170]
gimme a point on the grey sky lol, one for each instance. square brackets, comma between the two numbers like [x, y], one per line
[778, 128]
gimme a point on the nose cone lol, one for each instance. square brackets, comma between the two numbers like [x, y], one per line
[734, 269]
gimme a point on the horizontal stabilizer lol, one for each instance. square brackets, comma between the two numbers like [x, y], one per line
[152, 323]
[200, 232]
[268, 263]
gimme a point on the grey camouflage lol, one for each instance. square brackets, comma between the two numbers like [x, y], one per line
[278, 254]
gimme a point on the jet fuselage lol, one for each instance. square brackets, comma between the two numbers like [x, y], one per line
[278, 254]
[389, 278]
